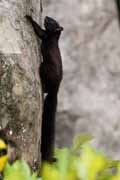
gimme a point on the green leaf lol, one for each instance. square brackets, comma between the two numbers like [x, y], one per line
[79, 141]
[18, 171]
[34, 176]
[49, 172]
[63, 157]
[112, 163]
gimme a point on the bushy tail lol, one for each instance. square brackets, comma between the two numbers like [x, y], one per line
[48, 127]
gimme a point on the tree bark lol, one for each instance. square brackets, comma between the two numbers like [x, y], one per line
[20, 87]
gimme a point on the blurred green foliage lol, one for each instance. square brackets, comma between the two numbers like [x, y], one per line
[19, 170]
[80, 162]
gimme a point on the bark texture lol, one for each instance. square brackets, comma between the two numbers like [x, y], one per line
[20, 87]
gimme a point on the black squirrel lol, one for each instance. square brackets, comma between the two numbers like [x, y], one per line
[51, 73]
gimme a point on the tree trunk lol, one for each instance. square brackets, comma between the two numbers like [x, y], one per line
[20, 87]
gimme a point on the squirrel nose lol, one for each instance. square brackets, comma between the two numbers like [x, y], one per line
[60, 29]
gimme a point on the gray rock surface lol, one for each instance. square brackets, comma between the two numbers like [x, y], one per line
[89, 99]
[20, 88]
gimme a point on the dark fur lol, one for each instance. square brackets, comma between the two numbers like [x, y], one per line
[51, 76]
[118, 9]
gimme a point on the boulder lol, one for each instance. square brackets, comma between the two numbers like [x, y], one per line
[89, 98]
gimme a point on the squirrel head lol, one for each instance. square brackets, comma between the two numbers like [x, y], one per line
[52, 27]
